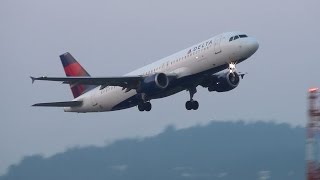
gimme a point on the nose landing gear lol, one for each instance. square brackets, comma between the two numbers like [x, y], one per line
[192, 104]
[232, 67]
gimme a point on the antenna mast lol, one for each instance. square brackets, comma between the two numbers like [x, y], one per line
[313, 136]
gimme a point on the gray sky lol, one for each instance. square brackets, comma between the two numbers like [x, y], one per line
[114, 37]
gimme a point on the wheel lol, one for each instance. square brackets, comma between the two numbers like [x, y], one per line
[141, 107]
[147, 106]
[188, 105]
[195, 105]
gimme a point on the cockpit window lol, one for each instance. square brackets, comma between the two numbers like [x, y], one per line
[237, 37]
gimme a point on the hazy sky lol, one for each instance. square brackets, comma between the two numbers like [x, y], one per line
[114, 37]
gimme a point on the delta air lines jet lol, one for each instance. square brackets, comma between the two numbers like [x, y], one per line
[210, 64]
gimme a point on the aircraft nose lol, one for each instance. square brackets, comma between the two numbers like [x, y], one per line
[252, 45]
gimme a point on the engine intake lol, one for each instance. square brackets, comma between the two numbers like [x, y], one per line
[225, 82]
[153, 83]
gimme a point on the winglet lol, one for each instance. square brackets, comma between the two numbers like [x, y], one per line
[32, 79]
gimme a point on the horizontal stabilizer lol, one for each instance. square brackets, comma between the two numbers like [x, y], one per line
[60, 104]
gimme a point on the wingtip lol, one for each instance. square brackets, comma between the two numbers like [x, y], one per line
[36, 105]
[32, 79]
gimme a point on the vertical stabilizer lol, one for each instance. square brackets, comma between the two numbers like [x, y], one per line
[73, 69]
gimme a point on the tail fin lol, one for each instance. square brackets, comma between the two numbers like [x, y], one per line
[73, 68]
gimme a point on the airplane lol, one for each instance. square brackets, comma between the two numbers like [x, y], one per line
[210, 64]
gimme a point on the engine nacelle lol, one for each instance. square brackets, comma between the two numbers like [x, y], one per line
[225, 82]
[153, 83]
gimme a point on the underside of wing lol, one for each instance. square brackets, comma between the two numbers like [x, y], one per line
[60, 104]
[124, 81]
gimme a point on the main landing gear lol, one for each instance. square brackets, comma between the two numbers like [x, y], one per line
[144, 104]
[192, 104]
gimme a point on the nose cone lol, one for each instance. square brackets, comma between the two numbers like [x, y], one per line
[252, 45]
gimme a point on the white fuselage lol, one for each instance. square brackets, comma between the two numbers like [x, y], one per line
[209, 54]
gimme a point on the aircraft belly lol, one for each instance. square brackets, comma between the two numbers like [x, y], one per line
[169, 92]
[109, 100]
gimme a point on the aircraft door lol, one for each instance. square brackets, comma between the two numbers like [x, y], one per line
[217, 47]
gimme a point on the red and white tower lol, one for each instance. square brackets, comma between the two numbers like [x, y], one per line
[313, 136]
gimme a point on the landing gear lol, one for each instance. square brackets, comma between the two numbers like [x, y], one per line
[232, 67]
[148, 106]
[145, 106]
[192, 104]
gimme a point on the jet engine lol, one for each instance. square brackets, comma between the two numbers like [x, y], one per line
[153, 83]
[225, 82]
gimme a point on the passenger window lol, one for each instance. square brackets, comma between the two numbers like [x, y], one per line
[236, 37]
[231, 39]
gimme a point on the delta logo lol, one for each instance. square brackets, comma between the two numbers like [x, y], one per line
[200, 46]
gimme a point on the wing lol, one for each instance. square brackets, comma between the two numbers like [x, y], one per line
[127, 82]
[60, 104]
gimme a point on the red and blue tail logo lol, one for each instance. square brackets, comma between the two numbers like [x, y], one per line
[73, 68]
